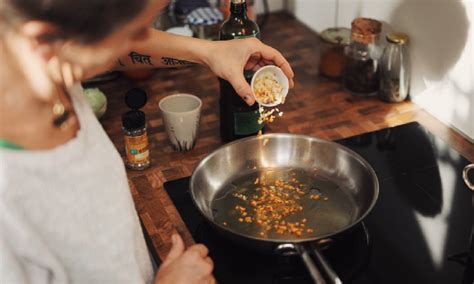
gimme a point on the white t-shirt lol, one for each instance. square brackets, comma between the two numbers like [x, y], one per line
[67, 214]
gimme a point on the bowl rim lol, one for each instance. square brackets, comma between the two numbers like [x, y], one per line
[186, 95]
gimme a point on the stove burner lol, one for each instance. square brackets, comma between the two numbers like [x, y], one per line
[415, 171]
[348, 254]
[289, 269]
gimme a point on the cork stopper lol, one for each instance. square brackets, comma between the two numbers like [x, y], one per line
[365, 30]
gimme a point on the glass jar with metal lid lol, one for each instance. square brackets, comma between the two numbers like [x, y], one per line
[333, 43]
[362, 74]
[395, 69]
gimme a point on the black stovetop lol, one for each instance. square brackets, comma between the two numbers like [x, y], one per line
[418, 232]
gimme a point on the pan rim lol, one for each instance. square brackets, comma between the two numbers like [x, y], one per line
[294, 241]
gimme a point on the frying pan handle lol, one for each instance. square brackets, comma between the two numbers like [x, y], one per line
[326, 266]
[310, 265]
[465, 177]
[286, 249]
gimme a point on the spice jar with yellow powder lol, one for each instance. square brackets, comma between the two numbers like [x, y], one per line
[135, 131]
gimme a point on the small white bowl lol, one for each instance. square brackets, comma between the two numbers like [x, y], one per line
[281, 78]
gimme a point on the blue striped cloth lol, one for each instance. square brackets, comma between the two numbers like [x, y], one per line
[204, 16]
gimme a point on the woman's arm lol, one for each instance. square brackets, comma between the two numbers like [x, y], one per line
[161, 49]
[227, 59]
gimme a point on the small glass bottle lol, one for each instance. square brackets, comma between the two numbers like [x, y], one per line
[362, 74]
[395, 69]
[135, 132]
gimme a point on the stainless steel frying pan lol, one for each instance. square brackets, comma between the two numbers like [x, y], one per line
[357, 190]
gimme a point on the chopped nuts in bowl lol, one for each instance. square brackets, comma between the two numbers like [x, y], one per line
[269, 86]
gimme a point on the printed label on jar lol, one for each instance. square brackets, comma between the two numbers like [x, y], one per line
[137, 148]
[246, 123]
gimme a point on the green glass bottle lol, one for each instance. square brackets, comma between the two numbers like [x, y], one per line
[237, 119]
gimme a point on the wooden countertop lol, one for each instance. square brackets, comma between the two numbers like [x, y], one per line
[316, 106]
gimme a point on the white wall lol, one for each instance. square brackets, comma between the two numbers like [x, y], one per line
[273, 5]
[441, 47]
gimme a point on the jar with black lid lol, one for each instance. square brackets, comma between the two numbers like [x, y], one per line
[135, 131]
[362, 73]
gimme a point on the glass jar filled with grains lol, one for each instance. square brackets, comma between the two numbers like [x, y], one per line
[362, 72]
[395, 69]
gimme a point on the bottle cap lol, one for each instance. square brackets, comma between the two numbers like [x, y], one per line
[136, 98]
[133, 120]
[398, 38]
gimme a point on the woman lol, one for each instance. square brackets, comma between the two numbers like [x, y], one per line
[67, 215]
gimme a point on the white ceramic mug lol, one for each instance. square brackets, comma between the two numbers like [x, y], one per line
[181, 114]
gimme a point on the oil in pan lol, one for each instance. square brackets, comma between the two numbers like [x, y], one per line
[284, 203]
